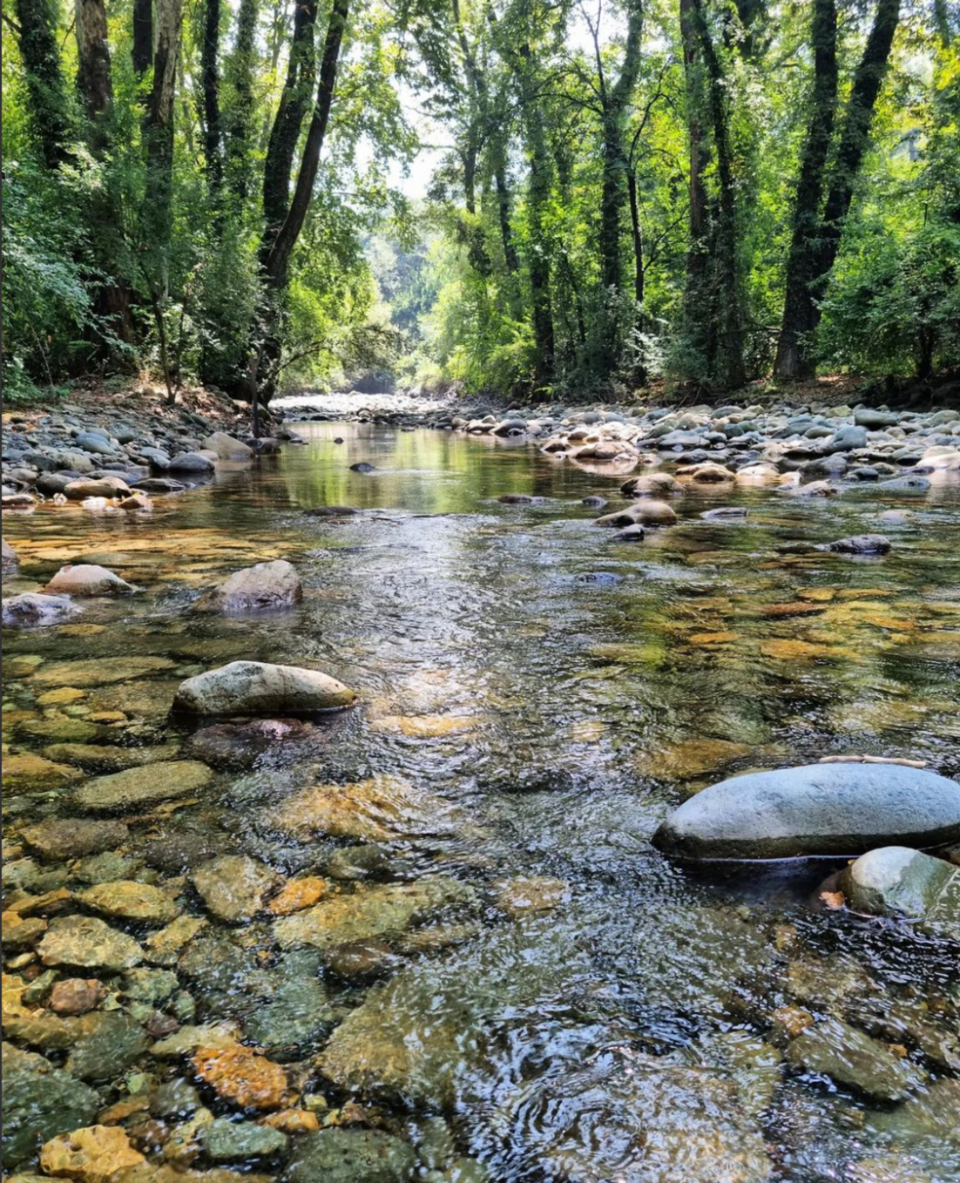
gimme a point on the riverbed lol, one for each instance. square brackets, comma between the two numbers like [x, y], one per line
[564, 1003]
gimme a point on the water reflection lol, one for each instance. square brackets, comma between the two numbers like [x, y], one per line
[556, 691]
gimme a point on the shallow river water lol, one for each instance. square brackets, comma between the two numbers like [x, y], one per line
[575, 1007]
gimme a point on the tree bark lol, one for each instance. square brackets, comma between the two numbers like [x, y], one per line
[279, 258]
[158, 124]
[614, 102]
[93, 56]
[798, 321]
[854, 141]
[38, 20]
[285, 133]
[538, 197]
[240, 69]
[728, 301]
[142, 51]
[210, 79]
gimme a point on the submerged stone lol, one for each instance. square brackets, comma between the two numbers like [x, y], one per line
[64, 838]
[130, 900]
[233, 886]
[232, 1141]
[352, 1156]
[39, 1101]
[370, 913]
[637, 1120]
[87, 942]
[816, 810]
[144, 786]
[379, 809]
[854, 1059]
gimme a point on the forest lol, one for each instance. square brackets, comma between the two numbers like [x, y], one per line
[571, 196]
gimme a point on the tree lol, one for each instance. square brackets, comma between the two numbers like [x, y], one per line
[40, 52]
[816, 234]
[210, 79]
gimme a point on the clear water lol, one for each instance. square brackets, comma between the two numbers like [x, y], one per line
[592, 685]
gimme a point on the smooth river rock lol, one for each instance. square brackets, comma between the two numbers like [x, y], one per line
[34, 608]
[135, 787]
[903, 883]
[259, 688]
[815, 810]
[263, 587]
[87, 579]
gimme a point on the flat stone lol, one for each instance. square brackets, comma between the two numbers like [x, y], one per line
[27, 769]
[259, 688]
[352, 1156]
[94, 1154]
[233, 887]
[240, 1075]
[145, 786]
[854, 1059]
[105, 486]
[66, 838]
[372, 913]
[816, 810]
[39, 1100]
[524, 895]
[231, 1141]
[88, 943]
[379, 809]
[98, 672]
[130, 900]
[110, 757]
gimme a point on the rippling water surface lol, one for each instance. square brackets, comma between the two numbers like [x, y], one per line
[547, 694]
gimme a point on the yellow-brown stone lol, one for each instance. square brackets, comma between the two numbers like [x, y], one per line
[241, 1075]
[94, 1154]
[297, 894]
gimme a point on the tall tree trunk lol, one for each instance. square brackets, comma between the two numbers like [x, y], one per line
[727, 281]
[210, 78]
[240, 69]
[158, 125]
[40, 51]
[93, 55]
[798, 320]
[142, 51]
[615, 100]
[275, 267]
[538, 197]
[636, 228]
[697, 309]
[854, 141]
[285, 133]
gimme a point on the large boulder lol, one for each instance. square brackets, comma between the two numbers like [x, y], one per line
[106, 486]
[33, 608]
[903, 883]
[226, 447]
[87, 579]
[818, 809]
[259, 688]
[263, 587]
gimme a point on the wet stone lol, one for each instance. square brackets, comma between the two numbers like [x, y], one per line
[136, 788]
[39, 1101]
[231, 1141]
[854, 1059]
[347, 1156]
[85, 941]
[113, 1045]
[233, 887]
[129, 900]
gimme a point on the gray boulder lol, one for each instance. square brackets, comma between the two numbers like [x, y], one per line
[260, 688]
[263, 587]
[860, 544]
[34, 608]
[193, 462]
[815, 810]
[899, 882]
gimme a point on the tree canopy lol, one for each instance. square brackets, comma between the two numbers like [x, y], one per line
[523, 195]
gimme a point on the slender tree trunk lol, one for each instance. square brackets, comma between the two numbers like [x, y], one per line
[40, 52]
[798, 319]
[240, 69]
[538, 197]
[275, 267]
[728, 281]
[142, 51]
[638, 274]
[279, 258]
[158, 125]
[697, 310]
[210, 78]
[615, 102]
[93, 55]
[854, 141]
[285, 133]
